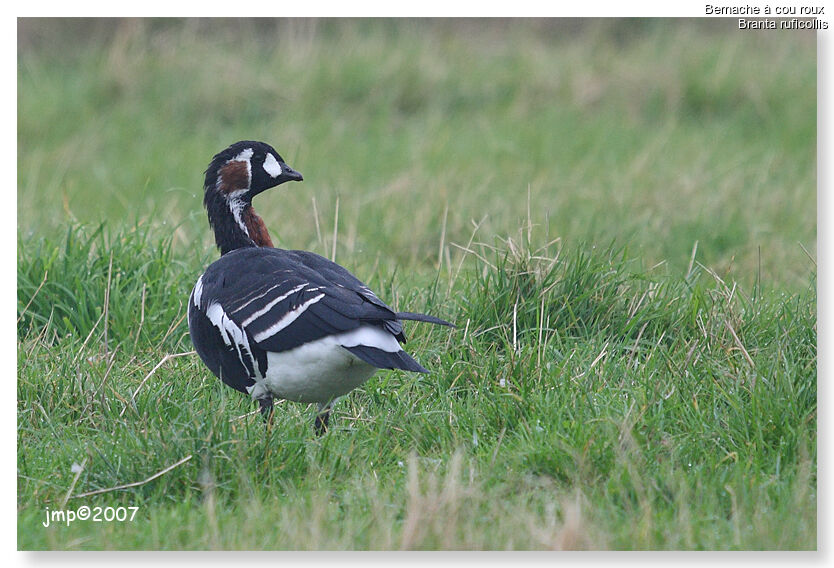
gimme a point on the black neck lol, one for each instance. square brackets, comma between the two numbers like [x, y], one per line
[228, 233]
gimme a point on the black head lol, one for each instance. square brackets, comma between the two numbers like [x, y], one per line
[245, 169]
[233, 178]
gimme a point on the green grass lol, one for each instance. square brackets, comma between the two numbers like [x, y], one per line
[613, 213]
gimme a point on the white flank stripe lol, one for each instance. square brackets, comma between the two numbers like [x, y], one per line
[288, 318]
[369, 336]
[232, 335]
[229, 331]
[259, 296]
[197, 294]
[269, 306]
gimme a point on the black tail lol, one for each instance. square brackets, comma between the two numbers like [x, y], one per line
[386, 360]
[423, 317]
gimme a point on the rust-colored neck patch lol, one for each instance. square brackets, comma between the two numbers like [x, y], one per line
[233, 176]
[256, 227]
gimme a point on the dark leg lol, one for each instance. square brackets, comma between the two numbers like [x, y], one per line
[266, 407]
[322, 418]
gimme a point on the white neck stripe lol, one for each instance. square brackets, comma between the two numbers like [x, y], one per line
[244, 156]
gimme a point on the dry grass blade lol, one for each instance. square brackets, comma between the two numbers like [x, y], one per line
[89, 335]
[743, 351]
[111, 360]
[164, 360]
[107, 301]
[318, 227]
[254, 412]
[692, 259]
[32, 299]
[135, 483]
[141, 317]
[809, 254]
[335, 231]
[78, 473]
[442, 237]
[466, 249]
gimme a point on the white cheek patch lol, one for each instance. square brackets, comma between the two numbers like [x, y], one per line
[272, 166]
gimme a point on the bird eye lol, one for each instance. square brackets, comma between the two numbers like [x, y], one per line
[272, 166]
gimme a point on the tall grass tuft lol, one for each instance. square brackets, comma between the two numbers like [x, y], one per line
[124, 283]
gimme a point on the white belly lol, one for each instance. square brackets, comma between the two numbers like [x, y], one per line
[319, 371]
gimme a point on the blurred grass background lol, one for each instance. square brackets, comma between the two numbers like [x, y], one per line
[653, 133]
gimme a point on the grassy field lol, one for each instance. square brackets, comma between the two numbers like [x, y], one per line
[619, 216]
